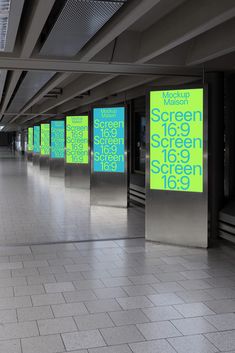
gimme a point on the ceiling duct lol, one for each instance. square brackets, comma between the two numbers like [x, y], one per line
[77, 23]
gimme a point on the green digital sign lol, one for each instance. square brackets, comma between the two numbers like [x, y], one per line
[77, 139]
[45, 139]
[30, 139]
[36, 139]
[176, 140]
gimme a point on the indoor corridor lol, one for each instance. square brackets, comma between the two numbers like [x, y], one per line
[36, 208]
[58, 294]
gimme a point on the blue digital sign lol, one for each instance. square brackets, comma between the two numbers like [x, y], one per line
[57, 139]
[109, 139]
[36, 139]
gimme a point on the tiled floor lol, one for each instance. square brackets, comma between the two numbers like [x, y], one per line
[35, 208]
[122, 296]
[110, 296]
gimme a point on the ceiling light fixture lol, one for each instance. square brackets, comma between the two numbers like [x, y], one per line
[4, 17]
[1, 127]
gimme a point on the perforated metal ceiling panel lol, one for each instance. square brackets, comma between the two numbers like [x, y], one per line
[78, 22]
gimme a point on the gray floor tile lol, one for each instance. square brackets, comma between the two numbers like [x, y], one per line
[59, 287]
[119, 272]
[15, 302]
[10, 265]
[59, 325]
[18, 330]
[32, 280]
[120, 335]
[6, 292]
[157, 330]
[170, 277]
[51, 270]
[83, 340]
[12, 346]
[12, 282]
[144, 279]
[109, 293]
[29, 290]
[88, 284]
[70, 309]
[162, 313]
[35, 263]
[65, 277]
[224, 341]
[158, 346]
[93, 321]
[197, 274]
[7, 316]
[77, 268]
[142, 289]
[102, 305]
[221, 306]
[194, 296]
[45, 344]
[165, 299]
[96, 274]
[116, 281]
[192, 344]
[193, 309]
[167, 287]
[79, 296]
[47, 299]
[134, 302]
[34, 313]
[128, 317]
[193, 326]
[195, 284]
[123, 348]
[25, 272]
[222, 322]
[222, 293]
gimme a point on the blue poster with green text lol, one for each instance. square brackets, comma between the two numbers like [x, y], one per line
[109, 139]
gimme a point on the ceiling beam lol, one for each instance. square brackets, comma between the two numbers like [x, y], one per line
[213, 44]
[37, 20]
[128, 14]
[76, 88]
[136, 92]
[84, 83]
[13, 25]
[72, 66]
[114, 86]
[186, 22]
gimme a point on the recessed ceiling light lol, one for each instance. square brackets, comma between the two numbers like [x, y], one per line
[1, 127]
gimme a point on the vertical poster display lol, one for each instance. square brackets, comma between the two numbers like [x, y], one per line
[77, 140]
[45, 139]
[57, 139]
[176, 140]
[109, 139]
[30, 140]
[109, 157]
[176, 195]
[36, 139]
